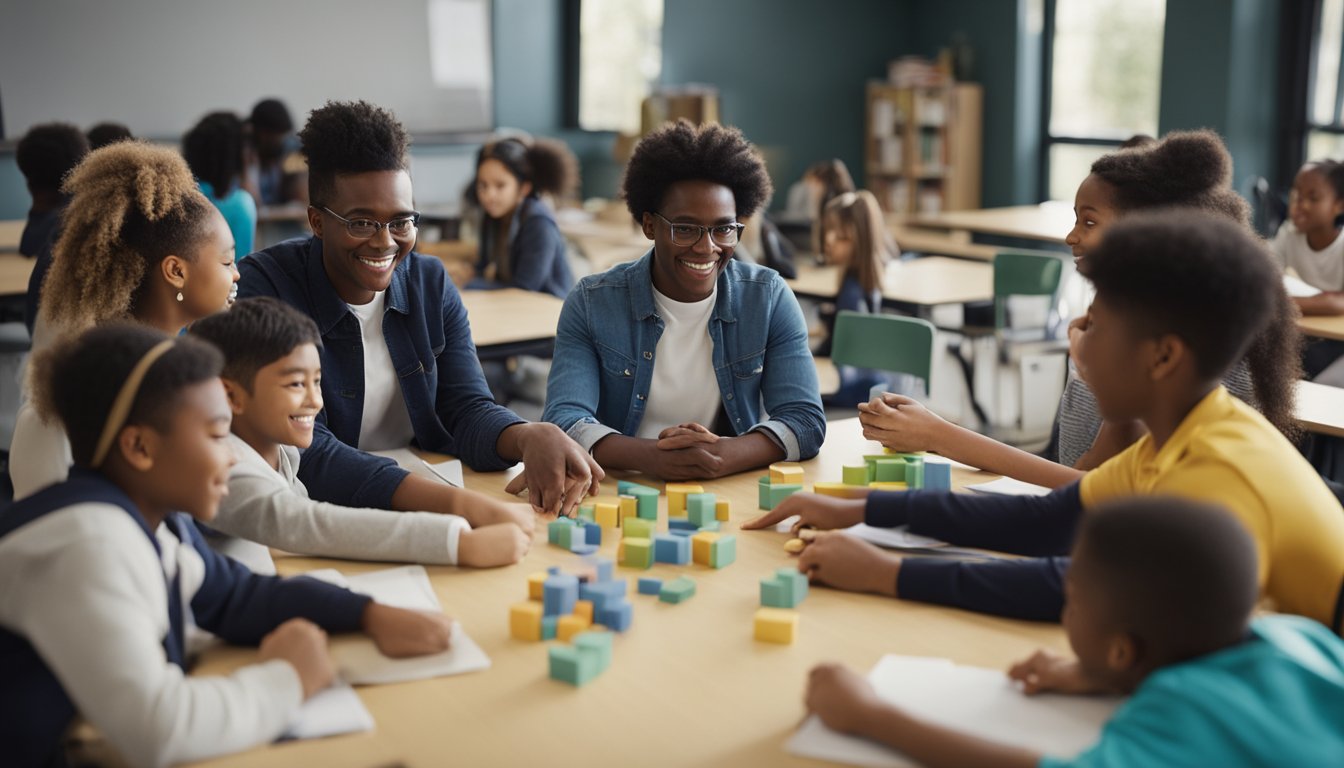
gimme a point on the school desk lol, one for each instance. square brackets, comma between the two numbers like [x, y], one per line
[14, 273]
[924, 282]
[1322, 326]
[1048, 222]
[11, 232]
[937, 243]
[687, 686]
[1320, 408]
[511, 321]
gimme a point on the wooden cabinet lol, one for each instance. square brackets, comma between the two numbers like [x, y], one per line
[922, 151]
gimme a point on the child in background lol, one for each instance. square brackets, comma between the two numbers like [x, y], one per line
[1310, 244]
[855, 242]
[45, 155]
[520, 244]
[1180, 296]
[214, 150]
[827, 180]
[106, 133]
[103, 576]
[276, 173]
[1160, 596]
[273, 377]
[139, 242]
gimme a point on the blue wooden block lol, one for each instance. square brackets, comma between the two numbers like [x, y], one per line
[684, 533]
[937, 475]
[584, 549]
[649, 585]
[554, 569]
[602, 566]
[670, 548]
[616, 616]
[681, 524]
[602, 593]
[712, 525]
[558, 594]
[592, 534]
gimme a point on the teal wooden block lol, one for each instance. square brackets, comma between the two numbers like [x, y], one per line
[780, 492]
[700, 508]
[646, 498]
[548, 627]
[723, 552]
[678, 590]
[914, 472]
[560, 532]
[890, 470]
[587, 513]
[763, 492]
[597, 643]
[569, 665]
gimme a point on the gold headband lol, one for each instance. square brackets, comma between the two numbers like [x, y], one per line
[121, 407]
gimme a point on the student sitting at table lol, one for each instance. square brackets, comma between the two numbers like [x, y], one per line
[275, 172]
[520, 244]
[668, 364]
[103, 577]
[107, 132]
[140, 242]
[1180, 297]
[1160, 599]
[1186, 169]
[273, 377]
[1310, 244]
[398, 363]
[45, 154]
[214, 150]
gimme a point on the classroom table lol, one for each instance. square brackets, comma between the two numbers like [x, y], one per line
[1320, 408]
[688, 685]
[1047, 222]
[512, 321]
[918, 240]
[1322, 326]
[11, 232]
[15, 270]
[925, 282]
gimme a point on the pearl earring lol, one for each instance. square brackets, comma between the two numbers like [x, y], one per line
[179, 295]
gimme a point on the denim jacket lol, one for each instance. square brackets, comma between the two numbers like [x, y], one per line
[608, 334]
[536, 252]
[425, 325]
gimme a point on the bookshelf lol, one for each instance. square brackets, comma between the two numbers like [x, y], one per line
[922, 151]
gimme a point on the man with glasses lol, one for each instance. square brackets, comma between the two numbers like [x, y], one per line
[398, 362]
[687, 364]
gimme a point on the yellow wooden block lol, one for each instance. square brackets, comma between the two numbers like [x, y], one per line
[786, 472]
[629, 508]
[721, 510]
[607, 514]
[571, 625]
[584, 608]
[535, 582]
[525, 621]
[676, 497]
[776, 625]
[840, 490]
[701, 545]
[877, 485]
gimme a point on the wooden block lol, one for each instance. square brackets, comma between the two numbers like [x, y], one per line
[569, 626]
[584, 608]
[629, 508]
[702, 547]
[856, 474]
[786, 473]
[635, 553]
[700, 508]
[569, 665]
[676, 497]
[880, 486]
[646, 497]
[890, 471]
[723, 551]
[535, 583]
[525, 621]
[722, 509]
[608, 514]
[638, 528]
[678, 590]
[776, 625]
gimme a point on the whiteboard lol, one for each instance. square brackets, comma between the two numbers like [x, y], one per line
[159, 65]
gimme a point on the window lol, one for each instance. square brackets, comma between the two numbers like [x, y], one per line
[1103, 70]
[619, 57]
[1325, 97]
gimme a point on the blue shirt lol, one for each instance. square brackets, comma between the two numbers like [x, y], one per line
[608, 334]
[537, 260]
[240, 212]
[1276, 699]
[428, 337]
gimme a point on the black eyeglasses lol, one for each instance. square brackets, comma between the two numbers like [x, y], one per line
[363, 229]
[689, 234]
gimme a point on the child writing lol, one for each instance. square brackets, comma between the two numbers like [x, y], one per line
[140, 242]
[1309, 243]
[520, 244]
[1190, 169]
[1180, 296]
[273, 378]
[103, 575]
[214, 150]
[855, 242]
[1160, 595]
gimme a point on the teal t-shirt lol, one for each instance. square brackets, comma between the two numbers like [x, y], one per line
[240, 211]
[1276, 699]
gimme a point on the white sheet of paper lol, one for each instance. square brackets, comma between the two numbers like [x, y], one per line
[1298, 288]
[982, 702]
[786, 525]
[330, 712]
[358, 659]
[449, 471]
[1007, 486]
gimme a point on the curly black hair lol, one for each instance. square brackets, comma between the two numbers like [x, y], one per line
[1331, 170]
[106, 133]
[350, 137]
[254, 333]
[683, 152]
[214, 150]
[1210, 282]
[72, 380]
[271, 115]
[549, 166]
[47, 152]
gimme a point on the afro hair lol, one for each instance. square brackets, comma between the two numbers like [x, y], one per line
[683, 152]
[345, 137]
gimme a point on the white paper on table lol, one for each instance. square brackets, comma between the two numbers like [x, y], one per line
[981, 702]
[361, 663]
[1298, 288]
[1007, 486]
[449, 471]
[330, 712]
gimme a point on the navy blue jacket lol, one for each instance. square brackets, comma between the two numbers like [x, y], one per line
[428, 337]
[537, 260]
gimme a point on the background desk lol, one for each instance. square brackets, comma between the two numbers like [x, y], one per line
[924, 282]
[511, 321]
[1322, 326]
[1048, 222]
[14, 273]
[11, 232]
[688, 685]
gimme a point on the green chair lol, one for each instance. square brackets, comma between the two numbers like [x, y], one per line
[884, 342]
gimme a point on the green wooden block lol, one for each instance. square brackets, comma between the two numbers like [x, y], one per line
[636, 553]
[646, 498]
[914, 472]
[890, 470]
[794, 581]
[586, 512]
[677, 590]
[763, 492]
[723, 552]
[712, 525]
[597, 643]
[700, 508]
[638, 528]
[780, 492]
[560, 532]
[569, 665]
[855, 474]
[774, 593]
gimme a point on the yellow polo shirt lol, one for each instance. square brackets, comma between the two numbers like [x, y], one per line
[1225, 452]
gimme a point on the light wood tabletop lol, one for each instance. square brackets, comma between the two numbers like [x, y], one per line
[1320, 408]
[1322, 326]
[11, 232]
[511, 316]
[1047, 222]
[14, 273]
[688, 685]
[927, 282]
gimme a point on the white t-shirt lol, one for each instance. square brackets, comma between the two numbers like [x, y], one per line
[385, 424]
[1323, 269]
[683, 387]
